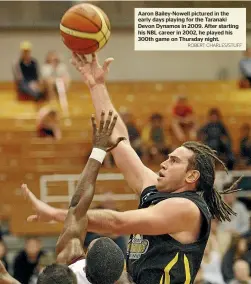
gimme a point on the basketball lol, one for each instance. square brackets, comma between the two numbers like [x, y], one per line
[85, 28]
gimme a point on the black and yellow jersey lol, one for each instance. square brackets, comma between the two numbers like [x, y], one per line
[161, 259]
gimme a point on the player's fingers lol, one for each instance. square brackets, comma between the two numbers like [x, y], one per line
[29, 195]
[114, 121]
[33, 218]
[25, 191]
[94, 58]
[94, 124]
[76, 62]
[76, 58]
[82, 59]
[72, 61]
[102, 121]
[108, 120]
[107, 63]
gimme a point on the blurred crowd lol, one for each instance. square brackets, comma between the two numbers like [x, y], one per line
[48, 84]
[152, 142]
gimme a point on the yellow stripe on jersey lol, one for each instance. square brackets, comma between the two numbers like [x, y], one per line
[169, 266]
[187, 270]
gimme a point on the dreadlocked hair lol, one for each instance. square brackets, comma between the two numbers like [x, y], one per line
[203, 160]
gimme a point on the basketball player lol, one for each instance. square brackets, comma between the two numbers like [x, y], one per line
[170, 229]
[104, 261]
[168, 238]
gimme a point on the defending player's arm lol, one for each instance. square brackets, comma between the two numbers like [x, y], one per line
[75, 225]
[136, 174]
[69, 245]
[163, 218]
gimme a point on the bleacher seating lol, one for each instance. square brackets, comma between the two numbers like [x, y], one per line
[25, 157]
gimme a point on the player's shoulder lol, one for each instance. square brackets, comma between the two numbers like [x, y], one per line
[186, 206]
[197, 199]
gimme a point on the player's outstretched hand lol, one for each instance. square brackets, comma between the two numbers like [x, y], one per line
[102, 135]
[5, 277]
[44, 212]
[91, 71]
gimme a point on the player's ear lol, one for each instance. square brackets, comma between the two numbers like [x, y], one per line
[192, 176]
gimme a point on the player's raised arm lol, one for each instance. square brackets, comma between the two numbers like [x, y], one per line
[69, 245]
[136, 174]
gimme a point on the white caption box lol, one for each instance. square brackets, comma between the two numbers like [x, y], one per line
[190, 29]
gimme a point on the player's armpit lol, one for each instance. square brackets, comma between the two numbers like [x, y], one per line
[136, 174]
[170, 216]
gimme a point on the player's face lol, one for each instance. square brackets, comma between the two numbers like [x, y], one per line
[173, 174]
[32, 247]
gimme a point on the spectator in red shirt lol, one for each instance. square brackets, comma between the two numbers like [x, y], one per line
[183, 121]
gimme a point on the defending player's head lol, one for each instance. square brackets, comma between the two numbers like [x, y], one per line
[57, 273]
[104, 261]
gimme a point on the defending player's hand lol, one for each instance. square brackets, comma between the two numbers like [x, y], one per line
[102, 135]
[44, 212]
[5, 277]
[92, 72]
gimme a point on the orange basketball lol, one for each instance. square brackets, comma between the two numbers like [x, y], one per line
[85, 28]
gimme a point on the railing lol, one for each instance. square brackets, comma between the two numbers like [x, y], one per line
[71, 180]
[221, 179]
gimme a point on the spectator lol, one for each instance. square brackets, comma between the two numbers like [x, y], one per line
[241, 273]
[215, 135]
[238, 250]
[26, 73]
[211, 263]
[183, 120]
[240, 223]
[154, 139]
[221, 237]
[245, 144]
[3, 254]
[44, 261]
[56, 79]
[27, 260]
[199, 279]
[134, 134]
[245, 66]
[48, 123]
